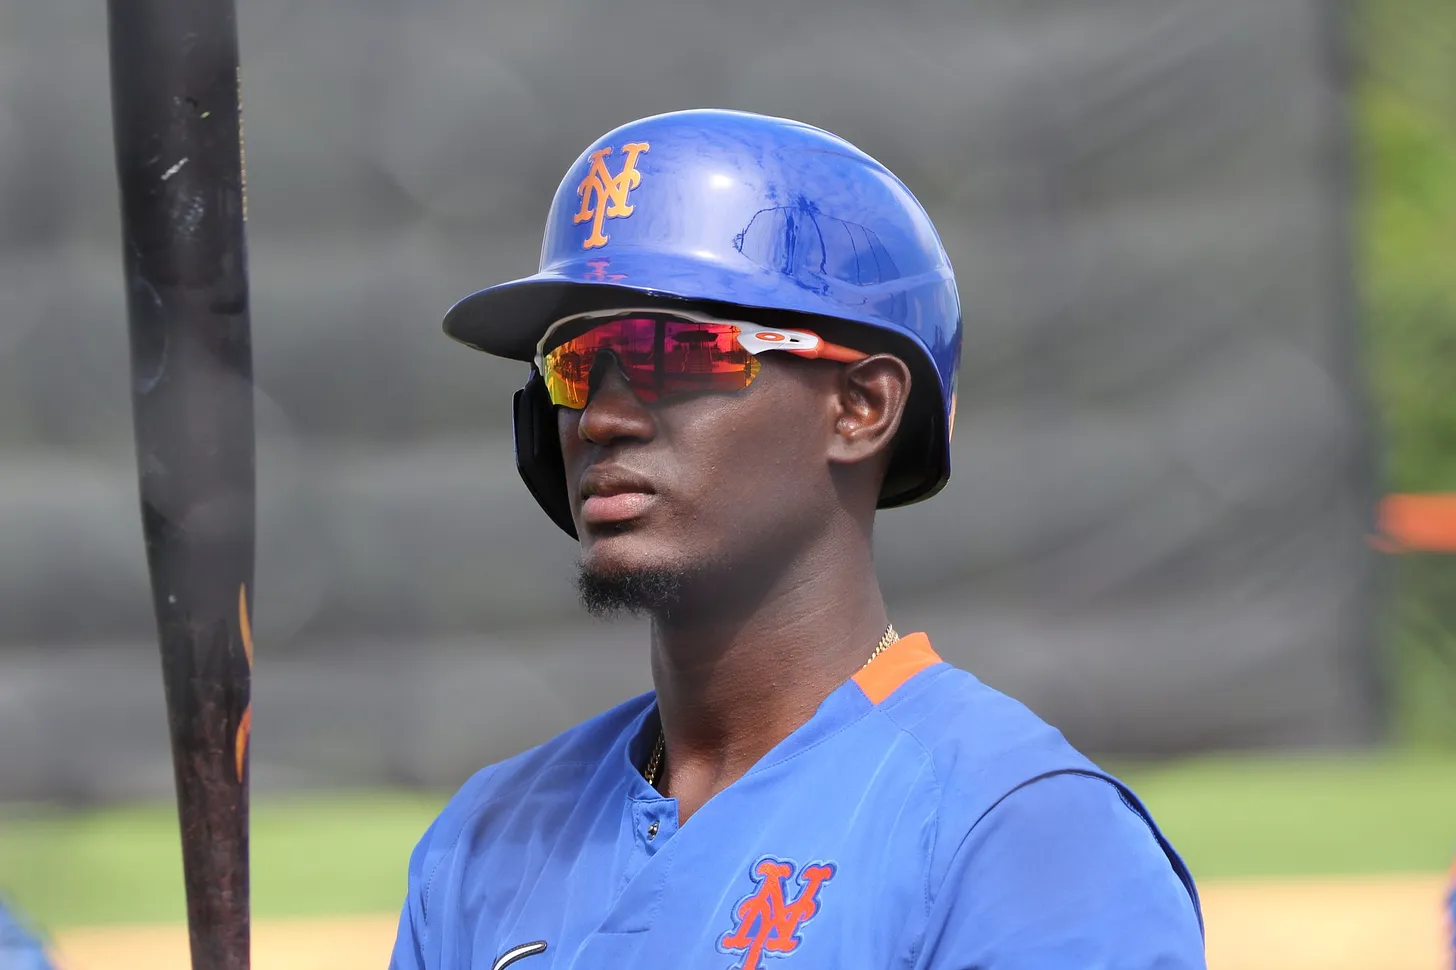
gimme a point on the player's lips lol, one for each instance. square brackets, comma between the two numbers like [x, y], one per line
[612, 494]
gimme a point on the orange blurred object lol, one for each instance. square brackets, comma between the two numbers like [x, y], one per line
[1418, 523]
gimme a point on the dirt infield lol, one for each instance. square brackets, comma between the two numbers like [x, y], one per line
[1369, 923]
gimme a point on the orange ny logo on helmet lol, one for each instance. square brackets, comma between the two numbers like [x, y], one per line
[604, 195]
[768, 922]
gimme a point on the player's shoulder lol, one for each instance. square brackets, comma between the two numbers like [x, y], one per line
[982, 745]
[976, 734]
[988, 752]
[551, 772]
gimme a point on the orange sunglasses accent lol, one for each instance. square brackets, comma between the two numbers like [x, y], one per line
[666, 354]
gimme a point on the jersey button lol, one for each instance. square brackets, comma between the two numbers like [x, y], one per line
[652, 831]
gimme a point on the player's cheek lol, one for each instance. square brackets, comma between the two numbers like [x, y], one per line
[566, 425]
[572, 447]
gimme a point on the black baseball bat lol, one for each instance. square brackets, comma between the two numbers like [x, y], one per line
[176, 114]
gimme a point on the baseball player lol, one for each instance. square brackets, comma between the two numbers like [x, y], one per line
[742, 342]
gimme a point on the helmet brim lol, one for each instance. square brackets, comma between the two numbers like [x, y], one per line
[509, 319]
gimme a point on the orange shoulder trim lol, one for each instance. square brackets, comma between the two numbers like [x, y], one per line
[901, 660]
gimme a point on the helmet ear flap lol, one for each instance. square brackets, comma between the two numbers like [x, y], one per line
[538, 452]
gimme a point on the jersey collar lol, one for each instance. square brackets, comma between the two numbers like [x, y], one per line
[874, 684]
[900, 661]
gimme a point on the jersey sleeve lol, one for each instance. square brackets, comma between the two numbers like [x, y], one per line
[409, 942]
[1062, 875]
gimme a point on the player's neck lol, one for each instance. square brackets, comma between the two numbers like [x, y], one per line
[732, 685]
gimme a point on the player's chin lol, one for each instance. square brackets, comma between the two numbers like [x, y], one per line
[625, 547]
[630, 573]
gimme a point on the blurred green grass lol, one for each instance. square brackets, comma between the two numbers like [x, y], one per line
[343, 853]
[1419, 645]
[1274, 815]
[1407, 253]
[312, 855]
[1404, 113]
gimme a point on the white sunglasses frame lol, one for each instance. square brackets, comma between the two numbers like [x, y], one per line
[752, 337]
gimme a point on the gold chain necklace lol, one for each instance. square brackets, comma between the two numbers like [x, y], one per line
[655, 762]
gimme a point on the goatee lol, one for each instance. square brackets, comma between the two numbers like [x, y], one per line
[640, 592]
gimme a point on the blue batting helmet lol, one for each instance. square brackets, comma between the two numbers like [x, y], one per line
[744, 211]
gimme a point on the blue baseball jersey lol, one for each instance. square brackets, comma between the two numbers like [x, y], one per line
[19, 947]
[920, 819]
[1451, 916]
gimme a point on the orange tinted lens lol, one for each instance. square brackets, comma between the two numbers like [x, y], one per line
[659, 357]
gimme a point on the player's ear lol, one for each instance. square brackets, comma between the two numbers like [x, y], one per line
[871, 398]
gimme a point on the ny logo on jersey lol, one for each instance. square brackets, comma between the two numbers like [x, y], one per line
[768, 922]
[604, 195]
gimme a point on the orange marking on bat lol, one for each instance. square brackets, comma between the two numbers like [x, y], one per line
[245, 726]
[244, 625]
[245, 729]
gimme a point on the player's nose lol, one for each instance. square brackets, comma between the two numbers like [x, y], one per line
[613, 411]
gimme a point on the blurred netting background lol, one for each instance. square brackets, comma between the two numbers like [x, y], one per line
[1206, 253]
